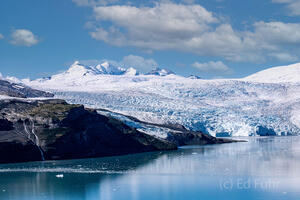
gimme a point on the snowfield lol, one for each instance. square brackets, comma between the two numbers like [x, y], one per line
[266, 102]
[290, 73]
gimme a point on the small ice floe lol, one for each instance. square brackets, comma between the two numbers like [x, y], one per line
[59, 176]
[194, 153]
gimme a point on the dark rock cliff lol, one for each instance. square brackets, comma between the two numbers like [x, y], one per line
[35, 130]
[53, 129]
[18, 90]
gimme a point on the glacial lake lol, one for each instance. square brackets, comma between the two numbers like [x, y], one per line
[262, 168]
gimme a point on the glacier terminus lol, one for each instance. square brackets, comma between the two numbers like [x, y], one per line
[265, 103]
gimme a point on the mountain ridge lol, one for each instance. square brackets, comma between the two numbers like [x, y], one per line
[107, 68]
[232, 107]
[11, 89]
[279, 74]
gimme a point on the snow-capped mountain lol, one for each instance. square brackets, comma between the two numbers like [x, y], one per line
[10, 89]
[79, 75]
[194, 77]
[78, 70]
[131, 72]
[160, 72]
[290, 73]
[218, 107]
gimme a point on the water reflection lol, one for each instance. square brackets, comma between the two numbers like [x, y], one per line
[263, 168]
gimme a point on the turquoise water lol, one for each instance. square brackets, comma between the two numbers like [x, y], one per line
[263, 168]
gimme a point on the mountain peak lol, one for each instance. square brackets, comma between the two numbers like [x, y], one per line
[131, 71]
[105, 65]
[160, 72]
[194, 77]
[76, 63]
[105, 68]
[110, 68]
[77, 69]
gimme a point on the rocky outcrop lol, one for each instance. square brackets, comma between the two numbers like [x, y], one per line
[53, 129]
[186, 137]
[35, 130]
[176, 133]
[6, 125]
[18, 90]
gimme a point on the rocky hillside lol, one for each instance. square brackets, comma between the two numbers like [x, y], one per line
[18, 90]
[52, 129]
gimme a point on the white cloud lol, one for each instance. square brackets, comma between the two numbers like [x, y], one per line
[276, 33]
[1, 36]
[163, 26]
[292, 5]
[23, 37]
[215, 67]
[192, 28]
[164, 22]
[140, 63]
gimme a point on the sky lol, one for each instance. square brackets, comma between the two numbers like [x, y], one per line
[208, 38]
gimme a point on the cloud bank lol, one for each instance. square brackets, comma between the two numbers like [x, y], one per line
[216, 67]
[194, 29]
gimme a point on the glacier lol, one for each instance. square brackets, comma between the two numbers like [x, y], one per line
[220, 107]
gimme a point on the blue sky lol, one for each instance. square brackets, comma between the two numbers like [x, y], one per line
[209, 38]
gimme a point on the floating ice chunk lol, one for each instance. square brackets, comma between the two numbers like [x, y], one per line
[59, 176]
